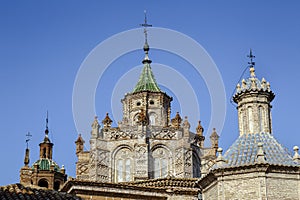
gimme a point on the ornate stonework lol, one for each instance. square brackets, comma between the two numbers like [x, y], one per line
[146, 144]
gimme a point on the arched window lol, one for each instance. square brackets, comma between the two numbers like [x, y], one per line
[123, 166]
[152, 119]
[250, 120]
[160, 165]
[43, 183]
[241, 121]
[261, 118]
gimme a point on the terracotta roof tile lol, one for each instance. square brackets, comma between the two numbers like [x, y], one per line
[20, 192]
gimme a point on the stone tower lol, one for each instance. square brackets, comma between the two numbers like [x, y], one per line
[147, 143]
[253, 98]
[147, 99]
[45, 172]
[256, 164]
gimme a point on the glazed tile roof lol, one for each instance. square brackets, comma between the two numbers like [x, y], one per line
[244, 151]
[45, 163]
[20, 192]
[146, 81]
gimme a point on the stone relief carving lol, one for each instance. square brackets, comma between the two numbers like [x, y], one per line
[82, 168]
[164, 134]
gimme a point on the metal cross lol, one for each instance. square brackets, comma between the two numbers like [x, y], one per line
[145, 25]
[28, 135]
[251, 56]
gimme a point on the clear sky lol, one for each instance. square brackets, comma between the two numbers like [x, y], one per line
[43, 44]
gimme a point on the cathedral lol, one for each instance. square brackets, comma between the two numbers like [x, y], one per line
[151, 156]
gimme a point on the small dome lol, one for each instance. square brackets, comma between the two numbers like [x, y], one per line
[44, 164]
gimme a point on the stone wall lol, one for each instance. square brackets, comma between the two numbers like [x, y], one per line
[253, 183]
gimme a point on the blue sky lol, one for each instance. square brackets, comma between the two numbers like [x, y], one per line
[43, 43]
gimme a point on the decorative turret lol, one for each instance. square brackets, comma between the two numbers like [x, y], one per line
[253, 98]
[95, 127]
[107, 121]
[176, 121]
[214, 139]
[79, 144]
[199, 138]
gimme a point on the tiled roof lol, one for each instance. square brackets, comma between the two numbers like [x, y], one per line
[20, 192]
[147, 81]
[167, 182]
[244, 151]
[45, 163]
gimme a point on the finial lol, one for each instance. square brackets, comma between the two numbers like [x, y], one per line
[251, 63]
[199, 128]
[186, 123]
[296, 156]
[26, 159]
[251, 56]
[220, 159]
[28, 135]
[176, 121]
[146, 46]
[107, 121]
[47, 130]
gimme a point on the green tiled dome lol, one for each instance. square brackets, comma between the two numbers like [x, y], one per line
[147, 81]
[44, 164]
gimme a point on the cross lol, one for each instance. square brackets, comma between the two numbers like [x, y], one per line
[251, 56]
[28, 135]
[145, 25]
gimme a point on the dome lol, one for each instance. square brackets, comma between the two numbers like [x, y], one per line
[44, 164]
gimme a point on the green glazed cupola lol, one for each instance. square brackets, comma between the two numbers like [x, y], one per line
[146, 81]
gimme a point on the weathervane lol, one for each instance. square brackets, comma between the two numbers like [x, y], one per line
[145, 25]
[28, 135]
[251, 56]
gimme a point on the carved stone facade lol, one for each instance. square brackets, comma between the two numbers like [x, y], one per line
[146, 144]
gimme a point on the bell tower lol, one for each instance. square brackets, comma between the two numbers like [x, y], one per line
[253, 98]
[44, 172]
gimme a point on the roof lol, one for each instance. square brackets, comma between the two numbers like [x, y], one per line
[45, 163]
[244, 151]
[167, 182]
[156, 187]
[18, 191]
[146, 81]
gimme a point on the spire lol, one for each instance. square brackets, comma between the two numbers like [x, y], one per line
[47, 131]
[199, 128]
[146, 81]
[146, 46]
[46, 145]
[26, 159]
[46, 139]
[176, 121]
[107, 121]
